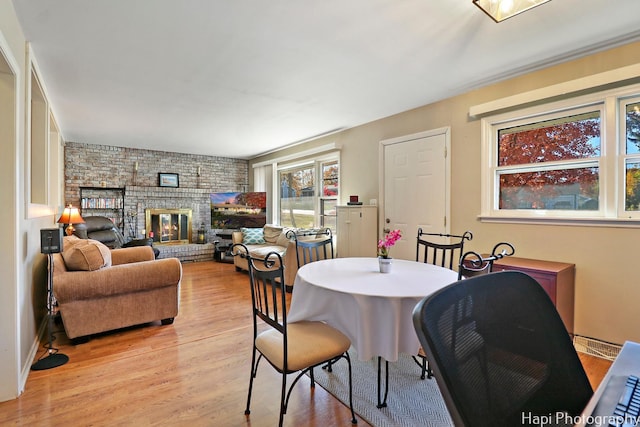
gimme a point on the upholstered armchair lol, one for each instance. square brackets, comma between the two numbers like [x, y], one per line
[99, 289]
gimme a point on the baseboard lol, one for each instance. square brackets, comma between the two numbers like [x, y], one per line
[595, 347]
[33, 353]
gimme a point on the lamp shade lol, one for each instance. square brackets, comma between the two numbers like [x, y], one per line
[499, 10]
[70, 215]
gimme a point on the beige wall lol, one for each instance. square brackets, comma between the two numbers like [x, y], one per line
[23, 267]
[606, 288]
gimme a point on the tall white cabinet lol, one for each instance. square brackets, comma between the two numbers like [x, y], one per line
[357, 231]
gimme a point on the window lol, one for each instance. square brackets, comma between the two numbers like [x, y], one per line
[564, 160]
[551, 164]
[329, 197]
[632, 155]
[309, 193]
[297, 191]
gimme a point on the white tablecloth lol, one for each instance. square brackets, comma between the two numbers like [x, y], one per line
[373, 309]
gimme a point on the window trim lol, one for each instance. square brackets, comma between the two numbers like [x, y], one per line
[610, 162]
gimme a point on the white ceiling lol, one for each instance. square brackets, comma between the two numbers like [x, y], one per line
[237, 78]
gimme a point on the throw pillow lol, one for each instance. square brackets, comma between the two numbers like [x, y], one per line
[86, 255]
[271, 233]
[252, 236]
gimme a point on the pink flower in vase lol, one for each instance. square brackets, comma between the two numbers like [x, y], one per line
[389, 240]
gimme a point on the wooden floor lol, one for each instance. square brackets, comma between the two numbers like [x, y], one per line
[193, 373]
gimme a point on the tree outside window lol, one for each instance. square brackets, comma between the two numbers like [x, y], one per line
[632, 162]
[551, 164]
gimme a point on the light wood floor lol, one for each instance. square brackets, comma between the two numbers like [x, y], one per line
[194, 372]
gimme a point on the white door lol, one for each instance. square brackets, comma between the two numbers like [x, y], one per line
[415, 190]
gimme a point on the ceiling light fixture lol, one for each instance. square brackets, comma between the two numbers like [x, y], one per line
[499, 10]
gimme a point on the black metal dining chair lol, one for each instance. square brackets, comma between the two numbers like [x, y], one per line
[312, 245]
[473, 264]
[290, 348]
[432, 250]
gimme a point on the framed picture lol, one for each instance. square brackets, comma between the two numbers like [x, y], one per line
[168, 180]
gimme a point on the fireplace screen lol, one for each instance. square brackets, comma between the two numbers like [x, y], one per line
[169, 225]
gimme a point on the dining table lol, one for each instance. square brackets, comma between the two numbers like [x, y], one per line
[373, 309]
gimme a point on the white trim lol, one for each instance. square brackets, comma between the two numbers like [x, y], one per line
[414, 136]
[580, 222]
[565, 88]
[301, 141]
[35, 210]
[14, 375]
[300, 154]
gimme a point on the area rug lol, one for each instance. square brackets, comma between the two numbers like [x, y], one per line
[411, 401]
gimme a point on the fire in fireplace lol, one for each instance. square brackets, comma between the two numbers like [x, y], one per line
[167, 226]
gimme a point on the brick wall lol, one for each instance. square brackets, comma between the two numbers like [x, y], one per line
[89, 165]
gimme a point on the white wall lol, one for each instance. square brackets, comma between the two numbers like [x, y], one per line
[9, 342]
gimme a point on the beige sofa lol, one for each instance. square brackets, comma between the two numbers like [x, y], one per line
[275, 240]
[98, 289]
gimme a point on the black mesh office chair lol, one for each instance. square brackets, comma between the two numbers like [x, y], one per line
[289, 347]
[432, 250]
[500, 352]
[473, 264]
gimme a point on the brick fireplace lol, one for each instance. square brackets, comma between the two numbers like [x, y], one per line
[184, 210]
[136, 170]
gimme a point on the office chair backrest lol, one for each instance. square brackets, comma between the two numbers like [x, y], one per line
[473, 264]
[500, 352]
[313, 245]
[432, 250]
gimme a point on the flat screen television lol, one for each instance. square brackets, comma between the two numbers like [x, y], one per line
[233, 210]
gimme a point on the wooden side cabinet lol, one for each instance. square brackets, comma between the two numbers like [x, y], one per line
[556, 278]
[357, 231]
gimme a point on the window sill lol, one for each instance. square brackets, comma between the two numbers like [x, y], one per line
[580, 222]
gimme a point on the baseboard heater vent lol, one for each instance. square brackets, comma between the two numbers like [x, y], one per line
[597, 348]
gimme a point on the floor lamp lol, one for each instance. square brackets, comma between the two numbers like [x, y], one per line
[50, 243]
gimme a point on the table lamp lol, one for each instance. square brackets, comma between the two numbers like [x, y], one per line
[70, 216]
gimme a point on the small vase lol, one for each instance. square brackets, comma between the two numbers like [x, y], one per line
[385, 264]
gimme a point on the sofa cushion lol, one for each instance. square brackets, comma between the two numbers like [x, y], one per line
[271, 233]
[86, 255]
[283, 240]
[261, 251]
[252, 236]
